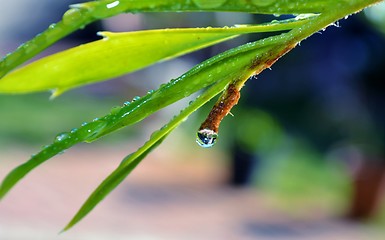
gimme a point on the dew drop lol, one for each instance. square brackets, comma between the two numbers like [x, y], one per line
[73, 130]
[206, 138]
[61, 136]
[274, 21]
[52, 26]
[83, 124]
[115, 110]
[126, 103]
[151, 91]
[113, 4]
[209, 4]
[44, 147]
[71, 16]
[262, 3]
[136, 98]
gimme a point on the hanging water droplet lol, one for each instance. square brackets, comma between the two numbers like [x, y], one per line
[136, 98]
[61, 136]
[206, 138]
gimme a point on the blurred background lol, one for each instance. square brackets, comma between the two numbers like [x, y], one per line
[302, 158]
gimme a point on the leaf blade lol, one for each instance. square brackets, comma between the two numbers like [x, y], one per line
[223, 67]
[120, 53]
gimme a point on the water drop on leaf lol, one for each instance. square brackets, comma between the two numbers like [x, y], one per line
[209, 4]
[72, 16]
[61, 136]
[262, 3]
[115, 110]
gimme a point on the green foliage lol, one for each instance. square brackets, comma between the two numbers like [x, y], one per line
[127, 51]
[120, 53]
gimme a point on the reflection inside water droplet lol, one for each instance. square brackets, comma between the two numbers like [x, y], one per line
[206, 138]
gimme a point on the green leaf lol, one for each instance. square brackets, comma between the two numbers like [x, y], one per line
[110, 183]
[83, 14]
[132, 160]
[120, 53]
[228, 66]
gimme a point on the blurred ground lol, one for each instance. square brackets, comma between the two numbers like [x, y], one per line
[162, 199]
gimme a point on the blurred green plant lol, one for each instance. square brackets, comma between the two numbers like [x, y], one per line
[121, 53]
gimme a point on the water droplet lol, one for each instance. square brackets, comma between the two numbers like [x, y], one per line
[83, 124]
[61, 136]
[113, 4]
[262, 3]
[274, 21]
[44, 147]
[73, 130]
[89, 130]
[126, 103]
[209, 4]
[206, 138]
[115, 110]
[151, 91]
[136, 98]
[95, 119]
[72, 16]
[52, 26]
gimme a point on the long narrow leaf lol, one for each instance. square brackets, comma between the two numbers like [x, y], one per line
[132, 160]
[258, 61]
[223, 67]
[120, 53]
[83, 14]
